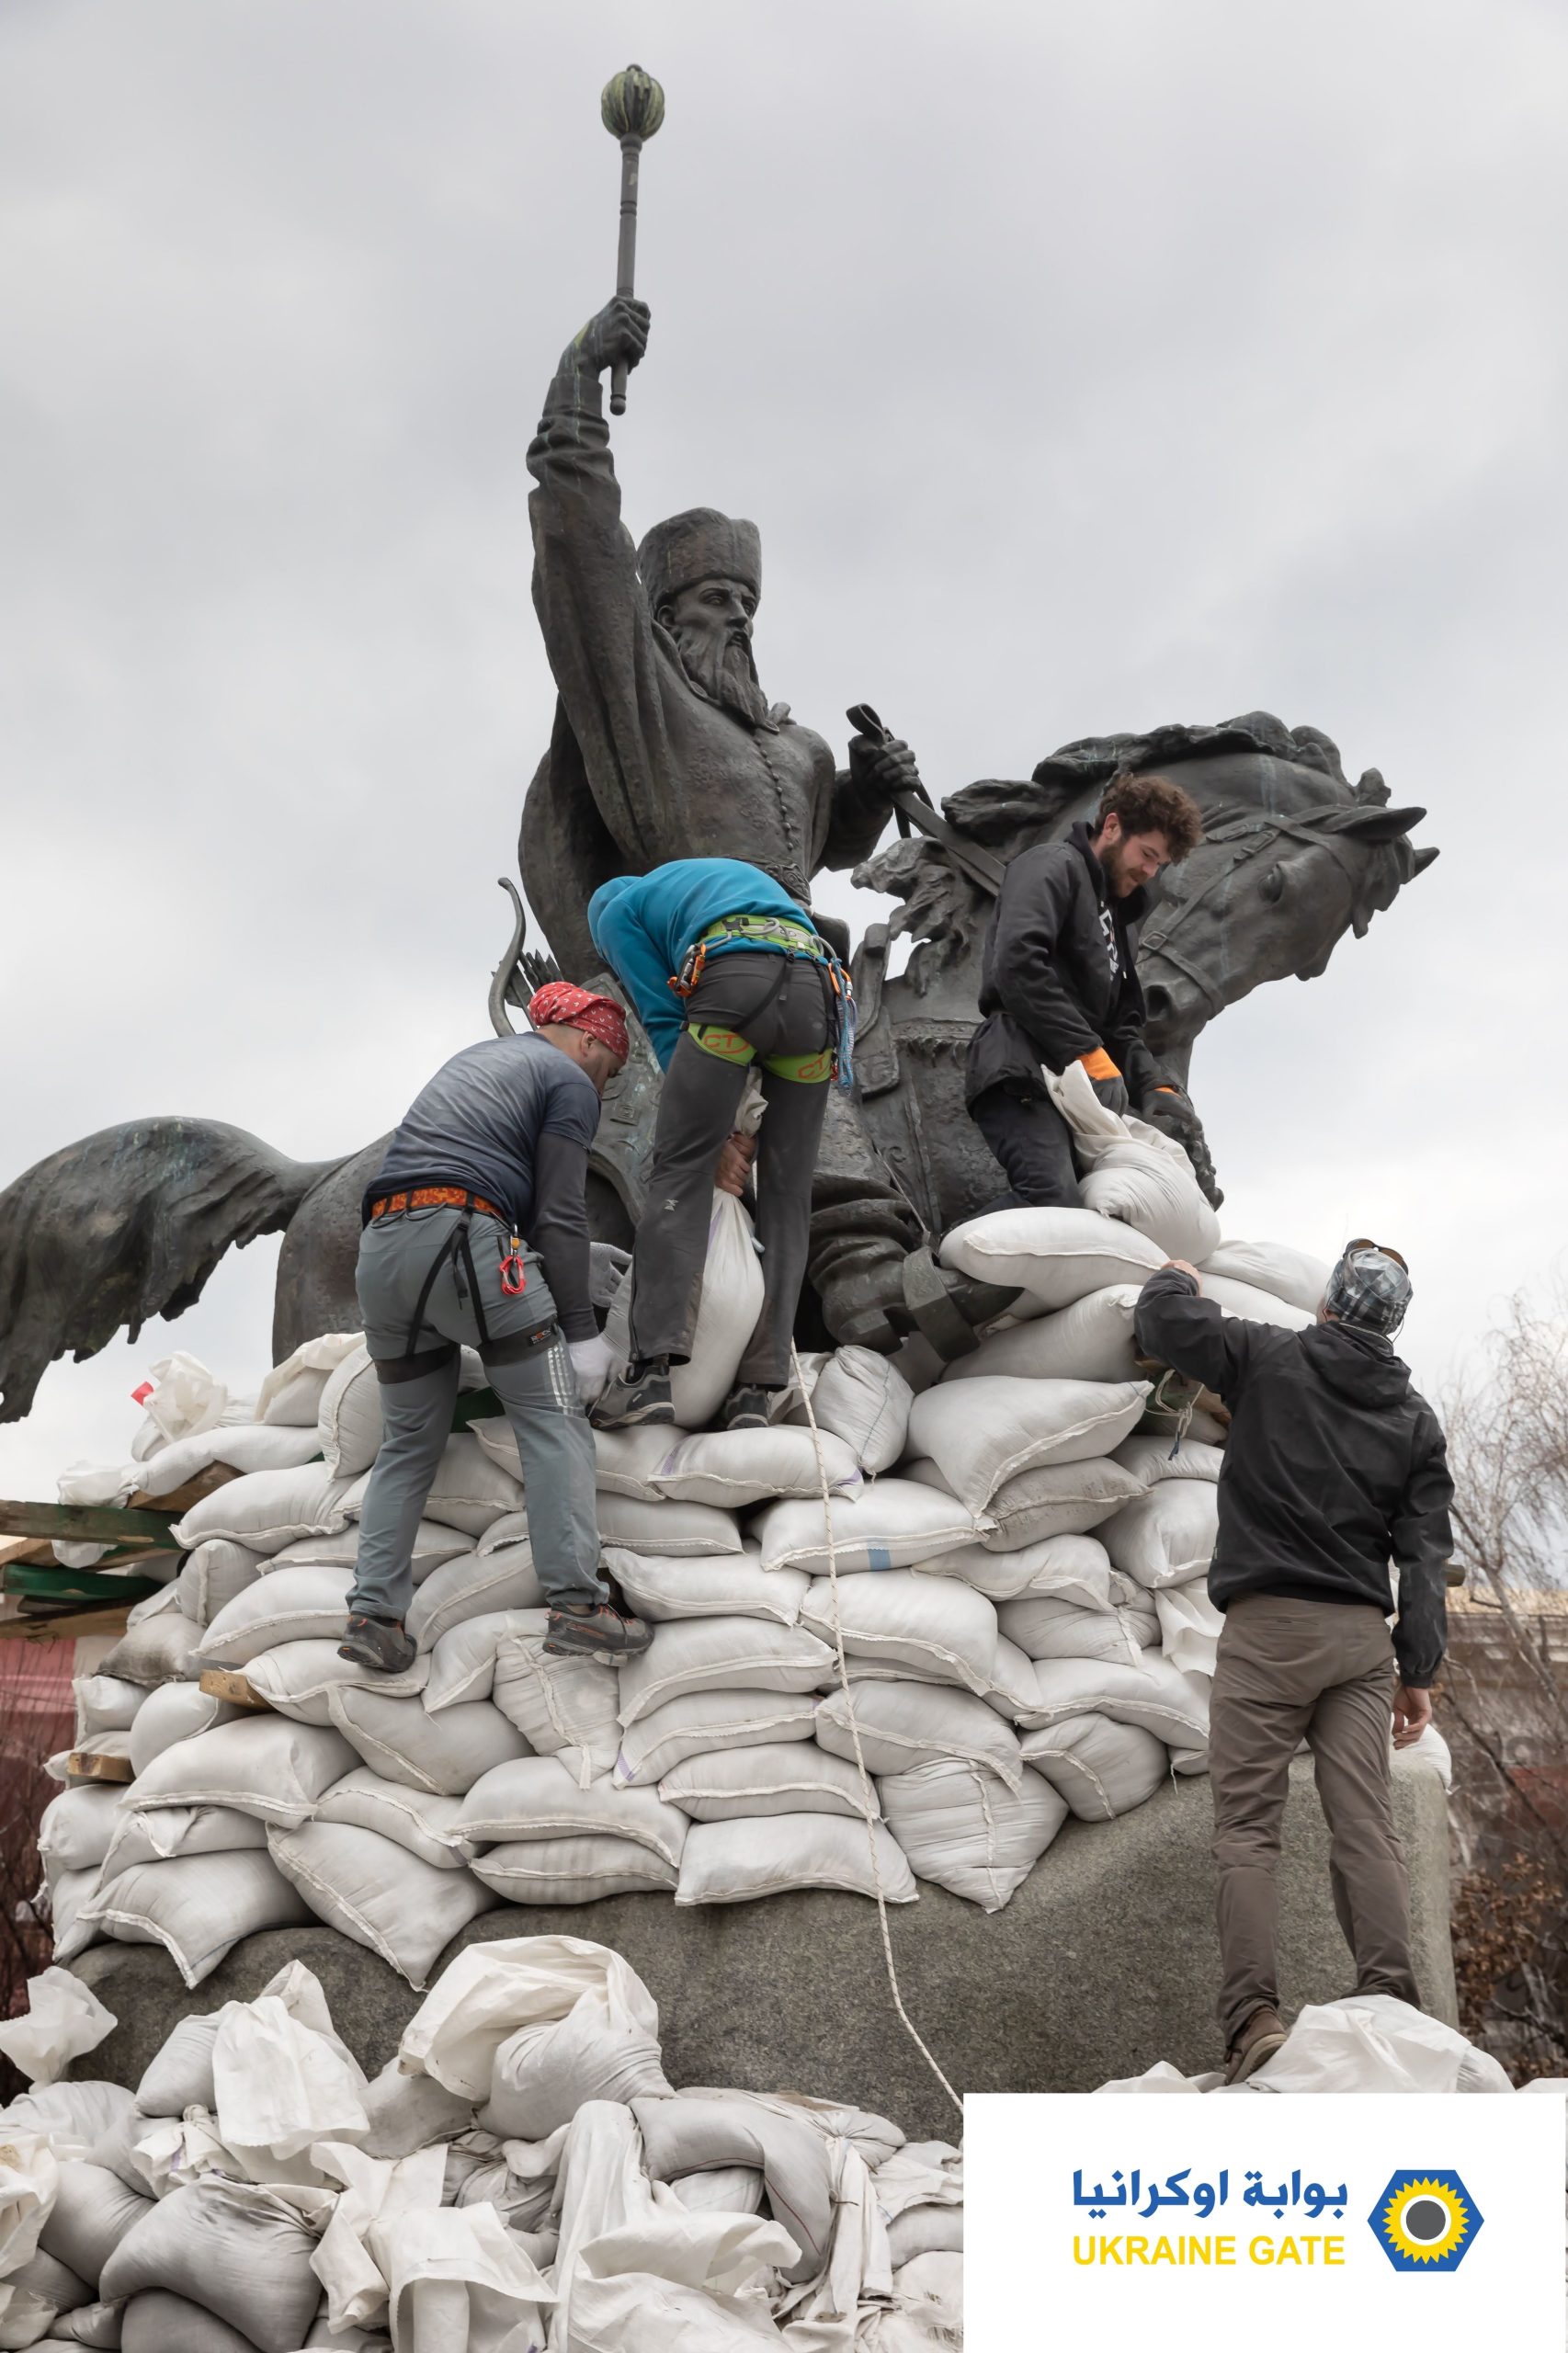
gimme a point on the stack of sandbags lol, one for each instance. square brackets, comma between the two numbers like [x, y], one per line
[522, 2173]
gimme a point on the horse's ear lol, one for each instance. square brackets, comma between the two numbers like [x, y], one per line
[1373, 824]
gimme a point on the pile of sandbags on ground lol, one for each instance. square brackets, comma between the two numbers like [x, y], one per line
[523, 2175]
[1365, 2042]
[997, 1619]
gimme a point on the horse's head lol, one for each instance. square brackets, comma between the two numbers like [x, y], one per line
[1265, 895]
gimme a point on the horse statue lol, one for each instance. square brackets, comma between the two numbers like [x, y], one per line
[131, 1222]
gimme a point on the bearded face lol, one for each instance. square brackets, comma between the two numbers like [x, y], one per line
[712, 627]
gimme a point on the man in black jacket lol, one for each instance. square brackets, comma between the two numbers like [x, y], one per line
[1058, 986]
[1334, 1465]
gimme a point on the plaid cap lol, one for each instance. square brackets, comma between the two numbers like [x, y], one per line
[576, 1008]
[1369, 1288]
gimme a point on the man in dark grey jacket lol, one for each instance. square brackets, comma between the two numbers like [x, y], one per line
[1058, 985]
[1334, 1465]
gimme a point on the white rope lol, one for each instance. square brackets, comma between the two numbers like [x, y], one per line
[868, 1796]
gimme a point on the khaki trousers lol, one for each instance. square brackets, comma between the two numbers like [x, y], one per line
[1323, 1671]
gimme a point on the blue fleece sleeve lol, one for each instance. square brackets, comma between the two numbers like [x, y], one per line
[642, 969]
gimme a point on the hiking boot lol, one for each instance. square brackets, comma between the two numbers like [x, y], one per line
[603, 1632]
[1262, 2036]
[641, 1395]
[748, 1407]
[379, 1643]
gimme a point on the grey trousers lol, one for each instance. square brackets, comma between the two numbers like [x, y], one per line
[1323, 1671]
[697, 1110]
[539, 1393]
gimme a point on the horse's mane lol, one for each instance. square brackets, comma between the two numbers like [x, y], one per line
[996, 811]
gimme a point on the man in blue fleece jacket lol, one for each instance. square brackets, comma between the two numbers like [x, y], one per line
[763, 991]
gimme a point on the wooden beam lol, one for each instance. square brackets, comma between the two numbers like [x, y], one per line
[228, 1683]
[82, 1764]
[86, 1523]
[65, 1629]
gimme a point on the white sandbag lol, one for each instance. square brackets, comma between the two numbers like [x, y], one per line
[298, 1678]
[213, 1576]
[721, 1655]
[723, 2189]
[1254, 1305]
[731, 1862]
[733, 1468]
[469, 1491]
[980, 1436]
[431, 1546]
[794, 2161]
[1074, 1568]
[259, 1765]
[626, 1462]
[379, 1891]
[403, 1742]
[1156, 1456]
[75, 1829]
[1156, 1696]
[1056, 1254]
[163, 1832]
[158, 2322]
[241, 1446]
[105, 1703]
[1429, 1747]
[537, 1797]
[64, 2018]
[573, 1870]
[1091, 1340]
[93, 2211]
[1167, 1536]
[700, 1721]
[267, 1509]
[537, 2025]
[888, 1524]
[180, 2075]
[69, 1894]
[290, 1606]
[239, 2251]
[1044, 1627]
[410, 2112]
[672, 1530]
[463, 1661]
[1055, 1499]
[37, 2301]
[473, 1585]
[560, 1705]
[174, 1711]
[349, 1417]
[1289, 1274]
[197, 1906]
[905, 1725]
[963, 1830]
[159, 1648]
[1374, 2042]
[779, 1776]
[1011, 1690]
[1190, 1628]
[1101, 1768]
[863, 1399]
[292, 1390]
[730, 1304]
[1133, 1171]
[425, 1823]
[936, 1627]
[734, 1585]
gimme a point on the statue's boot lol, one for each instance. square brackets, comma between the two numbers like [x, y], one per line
[877, 1297]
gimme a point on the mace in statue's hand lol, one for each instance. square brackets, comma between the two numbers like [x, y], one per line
[616, 336]
[881, 768]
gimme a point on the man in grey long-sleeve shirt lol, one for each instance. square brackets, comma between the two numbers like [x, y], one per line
[476, 1231]
[1334, 1465]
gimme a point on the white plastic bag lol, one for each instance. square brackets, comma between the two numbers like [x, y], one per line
[65, 2019]
[279, 2083]
[1134, 1172]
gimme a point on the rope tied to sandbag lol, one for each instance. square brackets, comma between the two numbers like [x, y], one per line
[867, 1799]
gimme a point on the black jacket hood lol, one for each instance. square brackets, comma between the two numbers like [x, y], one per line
[1357, 1365]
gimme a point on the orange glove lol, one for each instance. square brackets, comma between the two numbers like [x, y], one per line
[1100, 1064]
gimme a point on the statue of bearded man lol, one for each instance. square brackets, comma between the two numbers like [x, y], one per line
[665, 747]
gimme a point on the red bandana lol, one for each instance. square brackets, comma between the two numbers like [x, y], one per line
[576, 1008]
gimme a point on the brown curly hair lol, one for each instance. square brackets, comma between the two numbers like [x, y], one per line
[1153, 805]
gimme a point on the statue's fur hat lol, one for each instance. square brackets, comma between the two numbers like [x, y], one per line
[701, 544]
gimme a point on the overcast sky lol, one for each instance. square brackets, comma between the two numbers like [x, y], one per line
[1084, 368]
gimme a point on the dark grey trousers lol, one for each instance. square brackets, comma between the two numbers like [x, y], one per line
[697, 1110]
[539, 1393]
[1323, 1671]
[1033, 1143]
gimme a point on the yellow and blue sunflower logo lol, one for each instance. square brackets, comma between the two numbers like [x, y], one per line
[1424, 2221]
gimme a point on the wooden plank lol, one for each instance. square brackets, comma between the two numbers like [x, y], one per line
[65, 1628]
[85, 1523]
[228, 1683]
[81, 1766]
[23, 1550]
[180, 1499]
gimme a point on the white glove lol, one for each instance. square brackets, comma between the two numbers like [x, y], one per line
[593, 1361]
[607, 1264]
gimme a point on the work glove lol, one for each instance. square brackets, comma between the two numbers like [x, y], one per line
[1111, 1087]
[593, 1361]
[607, 1265]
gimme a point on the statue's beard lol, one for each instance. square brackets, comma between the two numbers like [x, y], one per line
[724, 670]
